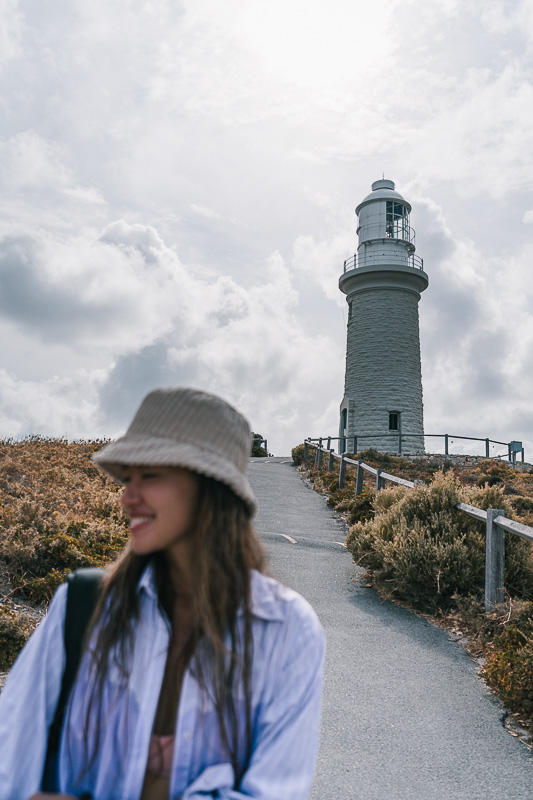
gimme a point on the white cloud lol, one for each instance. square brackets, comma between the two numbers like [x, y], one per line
[176, 202]
[477, 334]
[119, 291]
[10, 25]
[128, 297]
[205, 212]
[322, 262]
[59, 406]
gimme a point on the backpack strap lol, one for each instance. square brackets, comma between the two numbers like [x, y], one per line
[82, 595]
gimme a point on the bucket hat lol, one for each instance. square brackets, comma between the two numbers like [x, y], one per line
[185, 428]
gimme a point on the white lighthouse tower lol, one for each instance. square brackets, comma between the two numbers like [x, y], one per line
[382, 404]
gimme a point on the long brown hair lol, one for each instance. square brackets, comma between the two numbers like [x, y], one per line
[226, 549]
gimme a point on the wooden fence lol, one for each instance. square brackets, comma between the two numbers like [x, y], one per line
[496, 523]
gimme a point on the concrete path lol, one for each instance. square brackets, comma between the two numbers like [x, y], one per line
[405, 716]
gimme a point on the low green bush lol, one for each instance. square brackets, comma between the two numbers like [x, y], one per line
[257, 450]
[362, 507]
[424, 551]
[298, 454]
[401, 467]
[522, 505]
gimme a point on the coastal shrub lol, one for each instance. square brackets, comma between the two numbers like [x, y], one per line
[401, 467]
[509, 667]
[421, 549]
[358, 508]
[36, 559]
[343, 500]
[298, 454]
[362, 507]
[257, 450]
[418, 548]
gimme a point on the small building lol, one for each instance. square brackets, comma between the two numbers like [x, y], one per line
[382, 404]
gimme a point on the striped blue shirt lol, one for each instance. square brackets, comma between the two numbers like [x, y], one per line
[288, 644]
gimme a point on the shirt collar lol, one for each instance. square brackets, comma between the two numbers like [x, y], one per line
[147, 582]
[267, 595]
[268, 598]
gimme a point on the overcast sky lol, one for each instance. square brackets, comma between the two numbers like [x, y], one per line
[177, 191]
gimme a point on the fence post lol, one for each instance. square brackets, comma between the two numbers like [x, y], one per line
[359, 479]
[355, 445]
[487, 448]
[510, 455]
[330, 460]
[494, 559]
[318, 460]
[399, 443]
[329, 443]
[523, 455]
[445, 444]
[306, 451]
[380, 483]
[342, 472]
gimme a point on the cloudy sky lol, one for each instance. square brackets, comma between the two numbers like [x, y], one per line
[178, 181]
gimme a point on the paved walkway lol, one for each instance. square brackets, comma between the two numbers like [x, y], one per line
[405, 716]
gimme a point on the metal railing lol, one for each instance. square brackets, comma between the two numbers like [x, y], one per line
[401, 437]
[496, 523]
[379, 260]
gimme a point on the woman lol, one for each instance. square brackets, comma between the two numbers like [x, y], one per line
[202, 676]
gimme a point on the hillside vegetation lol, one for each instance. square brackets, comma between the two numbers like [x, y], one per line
[58, 512]
[419, 550]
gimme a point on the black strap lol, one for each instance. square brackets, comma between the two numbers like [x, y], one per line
[82, 596]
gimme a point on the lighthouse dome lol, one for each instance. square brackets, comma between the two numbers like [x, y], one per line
[383, 190]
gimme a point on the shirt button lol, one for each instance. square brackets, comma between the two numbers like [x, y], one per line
[187, 736]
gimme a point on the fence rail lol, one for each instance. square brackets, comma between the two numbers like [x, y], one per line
[512, 448]
[496, 523]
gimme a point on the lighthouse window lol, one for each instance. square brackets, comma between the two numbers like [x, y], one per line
[394, 420]
[397, 222]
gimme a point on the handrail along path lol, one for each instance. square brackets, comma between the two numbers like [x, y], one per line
[496, 523]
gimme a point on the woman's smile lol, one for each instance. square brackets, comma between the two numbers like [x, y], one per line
[139, 522]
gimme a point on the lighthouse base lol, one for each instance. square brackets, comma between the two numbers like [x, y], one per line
[355, 436]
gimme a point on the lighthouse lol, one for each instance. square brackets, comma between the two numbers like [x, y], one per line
[382, 404]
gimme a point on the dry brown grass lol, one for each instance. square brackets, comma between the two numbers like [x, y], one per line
[58, 512]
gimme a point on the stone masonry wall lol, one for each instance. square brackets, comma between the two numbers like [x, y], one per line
[383, 371]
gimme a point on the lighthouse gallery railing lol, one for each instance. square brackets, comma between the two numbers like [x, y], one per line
[407, 260]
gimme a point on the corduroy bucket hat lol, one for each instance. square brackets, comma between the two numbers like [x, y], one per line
[185, 428]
